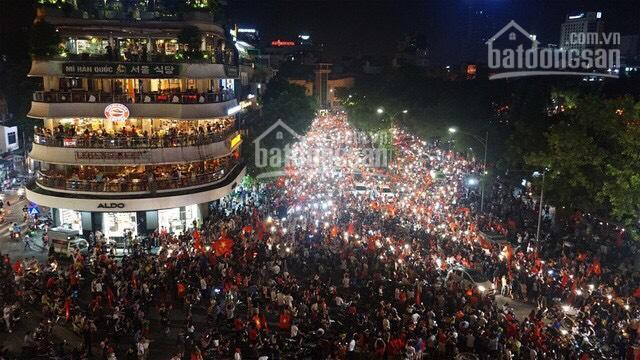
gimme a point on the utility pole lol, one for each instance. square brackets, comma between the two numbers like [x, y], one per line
[540, 213]
[484, 171]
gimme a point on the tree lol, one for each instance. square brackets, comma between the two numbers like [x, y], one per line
[45, 41]
[209, 5]
[281, 101]
[289, 103]
[622, 186]
[591, 158]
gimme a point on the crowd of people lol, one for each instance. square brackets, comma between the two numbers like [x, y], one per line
[138, 178]
[353, 254]
[133, 137]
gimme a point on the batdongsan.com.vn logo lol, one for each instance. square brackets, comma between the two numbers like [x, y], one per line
[280, 146]
[513, 52]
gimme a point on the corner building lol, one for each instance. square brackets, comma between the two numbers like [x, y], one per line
[136, 136]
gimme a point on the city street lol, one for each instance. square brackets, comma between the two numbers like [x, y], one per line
[14, 214]
[319, 180]
[520, 310]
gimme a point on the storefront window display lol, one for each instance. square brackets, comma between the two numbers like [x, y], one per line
[177, 220]
[116, 225]
[70, 219]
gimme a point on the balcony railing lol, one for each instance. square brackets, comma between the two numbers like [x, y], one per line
[120, 185]
[200, 57]
[131, 142]
[82, 96]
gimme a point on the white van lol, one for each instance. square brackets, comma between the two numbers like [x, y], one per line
[67, 241]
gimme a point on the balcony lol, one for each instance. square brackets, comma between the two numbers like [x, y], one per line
[146, 98]
[117, 185]
[104, 68]
[130, 151]
[140, 201]
[175, 105]
[131, 142]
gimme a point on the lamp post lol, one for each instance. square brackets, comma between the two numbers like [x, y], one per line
[485, 143]
[537, 173]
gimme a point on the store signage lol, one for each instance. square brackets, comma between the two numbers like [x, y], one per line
[235, 141]
[111, 206]
[69, 142]
[246, 30]
[116, 112]
[154, 70]
[282, 43]
[113, 155]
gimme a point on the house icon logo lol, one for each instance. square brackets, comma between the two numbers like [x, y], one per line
[273, 149]
[512, 29]
[514, 52]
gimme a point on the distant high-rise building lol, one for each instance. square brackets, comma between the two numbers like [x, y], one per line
[581, 30]
[322, 71]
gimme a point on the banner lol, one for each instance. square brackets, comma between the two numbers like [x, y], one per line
[134, 70]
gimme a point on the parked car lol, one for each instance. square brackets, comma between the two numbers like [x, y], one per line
[471, 278]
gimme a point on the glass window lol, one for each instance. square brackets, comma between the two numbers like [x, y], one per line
[11, 138]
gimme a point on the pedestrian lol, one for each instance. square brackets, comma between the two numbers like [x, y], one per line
[6, 315]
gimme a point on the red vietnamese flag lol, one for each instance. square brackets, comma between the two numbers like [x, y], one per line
[67, 308]
[197, 246]
[285, 321]
[181, 290]
[223, 246]
[110, 297]
[334, 231]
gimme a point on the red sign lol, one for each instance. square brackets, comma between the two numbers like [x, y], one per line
[282, 43]
[116, 112]
[69, 142]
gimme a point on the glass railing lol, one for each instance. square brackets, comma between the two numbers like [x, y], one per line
[131, 142]
[81, 96]
[119, 184]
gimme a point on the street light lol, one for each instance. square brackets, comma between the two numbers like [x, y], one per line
[380, 110]
[405, 111]
[537, 174]
[485, 143]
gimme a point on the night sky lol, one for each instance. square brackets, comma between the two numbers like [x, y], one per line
[354, 28]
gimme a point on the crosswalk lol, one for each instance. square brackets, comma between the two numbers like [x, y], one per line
[12, 214]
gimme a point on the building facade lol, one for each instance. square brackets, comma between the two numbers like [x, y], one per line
[579, 27]
[137, 136]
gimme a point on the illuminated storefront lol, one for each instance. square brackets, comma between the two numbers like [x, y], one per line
[70, 219]
[176, 220]
[119, 224]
